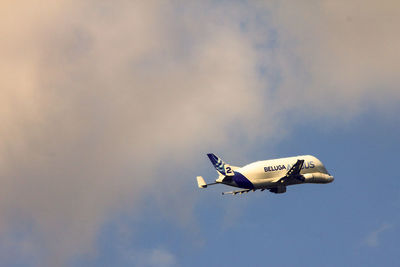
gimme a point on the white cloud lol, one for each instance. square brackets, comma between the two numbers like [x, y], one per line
[372, 240]
[157, 257]
[161, 258]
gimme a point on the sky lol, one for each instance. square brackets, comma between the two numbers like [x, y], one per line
[108, 110]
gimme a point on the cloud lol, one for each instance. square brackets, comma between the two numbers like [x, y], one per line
[338, 57]
[372, 240]
[151, 257]
[163, 258]
[95, 96]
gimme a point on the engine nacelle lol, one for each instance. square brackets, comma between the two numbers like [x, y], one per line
[278, 190]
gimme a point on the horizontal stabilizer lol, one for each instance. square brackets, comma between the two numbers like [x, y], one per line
[200, 182]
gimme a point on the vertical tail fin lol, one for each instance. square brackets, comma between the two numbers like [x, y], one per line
[220, 166]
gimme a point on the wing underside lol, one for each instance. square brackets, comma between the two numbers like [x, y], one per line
[293, 175]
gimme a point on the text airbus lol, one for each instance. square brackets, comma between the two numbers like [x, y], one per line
[306, 165]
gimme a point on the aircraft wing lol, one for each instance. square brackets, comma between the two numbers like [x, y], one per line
[293, 173]
[237, 192]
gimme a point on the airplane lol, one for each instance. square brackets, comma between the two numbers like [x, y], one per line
[273, 175]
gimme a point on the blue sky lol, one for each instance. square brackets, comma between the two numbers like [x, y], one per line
[110, 109]
[313, 225]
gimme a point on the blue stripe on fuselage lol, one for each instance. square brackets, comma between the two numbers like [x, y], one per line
[242, 181]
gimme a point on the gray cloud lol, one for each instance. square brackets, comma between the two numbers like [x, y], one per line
[95, 95]
[341, 56]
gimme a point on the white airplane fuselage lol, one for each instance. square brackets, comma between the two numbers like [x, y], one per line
[262, 174]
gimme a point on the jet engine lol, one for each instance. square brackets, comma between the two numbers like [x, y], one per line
[278, 190]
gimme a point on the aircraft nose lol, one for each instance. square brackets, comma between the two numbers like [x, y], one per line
[330, 179]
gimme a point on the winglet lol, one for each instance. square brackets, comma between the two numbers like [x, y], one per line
[200, 182]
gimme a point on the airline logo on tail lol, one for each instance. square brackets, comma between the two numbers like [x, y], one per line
[220, 166]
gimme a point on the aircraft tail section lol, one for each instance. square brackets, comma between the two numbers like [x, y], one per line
[220, 166]
[200, 182]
